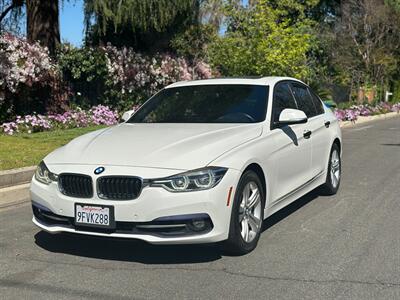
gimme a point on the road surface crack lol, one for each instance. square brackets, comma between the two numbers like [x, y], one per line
[228, 272]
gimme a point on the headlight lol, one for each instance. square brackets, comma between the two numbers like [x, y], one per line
[196, 180]
[43, 174]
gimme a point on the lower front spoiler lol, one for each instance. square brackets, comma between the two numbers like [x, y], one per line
[210, 237]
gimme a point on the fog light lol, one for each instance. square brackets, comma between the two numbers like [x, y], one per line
[198, 225]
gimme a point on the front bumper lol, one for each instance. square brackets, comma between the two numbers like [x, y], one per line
[152, 204]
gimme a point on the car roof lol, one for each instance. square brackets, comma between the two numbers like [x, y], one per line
[271, 80]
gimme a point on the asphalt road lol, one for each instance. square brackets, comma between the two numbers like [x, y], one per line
[341, 247]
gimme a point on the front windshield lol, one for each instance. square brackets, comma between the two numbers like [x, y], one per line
[205, 104]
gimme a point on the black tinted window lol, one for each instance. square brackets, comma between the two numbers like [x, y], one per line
[303, 99]
[283, 98]
[317, 103]
[205, 104]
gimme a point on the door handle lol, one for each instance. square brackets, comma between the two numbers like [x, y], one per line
[327, 123]
[307, 134]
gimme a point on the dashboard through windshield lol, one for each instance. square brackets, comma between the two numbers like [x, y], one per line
[229, 103]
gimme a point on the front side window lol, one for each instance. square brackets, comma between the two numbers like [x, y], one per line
[283, 99]
[205, 104]
[303, 99]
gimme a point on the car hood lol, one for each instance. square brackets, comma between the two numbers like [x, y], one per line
[172, 146]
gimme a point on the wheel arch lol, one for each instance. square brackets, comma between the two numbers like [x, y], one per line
[256, 168]
[338, 143]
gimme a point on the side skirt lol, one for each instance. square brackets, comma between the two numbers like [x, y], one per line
[285, 200]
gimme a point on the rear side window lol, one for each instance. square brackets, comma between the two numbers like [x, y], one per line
[283, 98]
[317, 103]
[304, 100]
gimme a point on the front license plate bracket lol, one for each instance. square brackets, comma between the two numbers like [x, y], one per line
[94, 216]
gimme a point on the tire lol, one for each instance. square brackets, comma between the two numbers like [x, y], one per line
[334, 172]
[246, 212]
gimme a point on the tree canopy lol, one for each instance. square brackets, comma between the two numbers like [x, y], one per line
[352, 43]
[10, 14]
[145, 25]
[266, 38]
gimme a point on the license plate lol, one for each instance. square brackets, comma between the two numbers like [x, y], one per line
[94, 216]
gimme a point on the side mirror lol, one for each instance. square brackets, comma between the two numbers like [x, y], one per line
[291, 116]
[127, 115]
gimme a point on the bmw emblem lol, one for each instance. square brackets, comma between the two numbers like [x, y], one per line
[99, 170]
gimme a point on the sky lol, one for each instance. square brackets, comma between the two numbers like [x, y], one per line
[71, 22]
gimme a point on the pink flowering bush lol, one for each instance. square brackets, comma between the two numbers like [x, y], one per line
[134, 77]
[130, 70]
[352, 113]
[103, 115]
[396, 107]
[121, 77]
[97, 115]
[30, 80]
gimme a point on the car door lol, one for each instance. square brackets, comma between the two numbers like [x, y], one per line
[319, 139]
[292, 154]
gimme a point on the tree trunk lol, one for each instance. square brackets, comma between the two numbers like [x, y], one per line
[42, 23]
[351, 87]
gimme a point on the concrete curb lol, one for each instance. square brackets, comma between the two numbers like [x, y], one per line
[16, 176]
[14, 195]
[368, 119]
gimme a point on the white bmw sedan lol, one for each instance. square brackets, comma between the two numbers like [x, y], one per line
[200, 162]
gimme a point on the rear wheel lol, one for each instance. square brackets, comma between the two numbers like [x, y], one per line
[247, 215]
[334, 172]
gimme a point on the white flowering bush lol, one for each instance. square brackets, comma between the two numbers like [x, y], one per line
[23, 66]
[23, 63]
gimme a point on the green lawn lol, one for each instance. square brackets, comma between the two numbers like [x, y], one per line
[29, 149]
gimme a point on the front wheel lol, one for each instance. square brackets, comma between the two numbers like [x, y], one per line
[247, 215]
[334, 172]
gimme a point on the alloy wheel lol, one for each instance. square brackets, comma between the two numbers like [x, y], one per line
[250, 212]
[335, 168]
